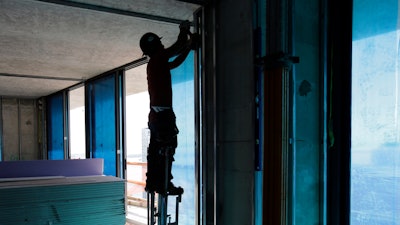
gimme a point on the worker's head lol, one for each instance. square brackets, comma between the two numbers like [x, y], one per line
[150, 43]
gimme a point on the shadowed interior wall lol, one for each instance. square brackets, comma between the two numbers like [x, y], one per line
[19, 129]
[235, 113]
[308, 114]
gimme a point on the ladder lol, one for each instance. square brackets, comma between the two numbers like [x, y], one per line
[159, 214]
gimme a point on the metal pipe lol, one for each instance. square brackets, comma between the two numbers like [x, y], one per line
[39, 77]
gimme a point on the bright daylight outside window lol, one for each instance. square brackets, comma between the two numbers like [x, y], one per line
[77, 123]
[375, 158]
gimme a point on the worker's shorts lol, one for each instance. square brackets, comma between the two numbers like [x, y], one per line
[163, 127]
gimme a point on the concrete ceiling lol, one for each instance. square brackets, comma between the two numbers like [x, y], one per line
[47, 46]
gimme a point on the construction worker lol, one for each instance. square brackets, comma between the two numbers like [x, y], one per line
[161, 121]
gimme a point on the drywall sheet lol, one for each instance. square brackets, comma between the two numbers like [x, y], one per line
[68, 200]
[40, 168]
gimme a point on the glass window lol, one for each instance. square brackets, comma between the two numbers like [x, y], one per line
[55, 127]
[375, 157]
[183, 168]
[137, 140]
[102, 113]
[77, 123]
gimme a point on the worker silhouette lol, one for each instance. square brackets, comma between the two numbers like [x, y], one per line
[162, 120]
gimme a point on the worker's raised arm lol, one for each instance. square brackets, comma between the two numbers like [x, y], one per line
[192, 44]
[179, 59]
[183, 40]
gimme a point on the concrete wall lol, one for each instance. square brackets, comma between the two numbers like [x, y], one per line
[19, 129]
[235, 113]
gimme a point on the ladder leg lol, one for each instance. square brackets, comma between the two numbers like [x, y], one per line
[163, 197]
[178, 200]
[148, 208]
[162, 205]
[166, 171]
[151, 210]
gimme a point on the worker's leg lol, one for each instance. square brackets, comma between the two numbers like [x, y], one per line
[172, 190]
[155, 167]
[163, 142]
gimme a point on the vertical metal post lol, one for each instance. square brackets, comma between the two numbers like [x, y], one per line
[151, 210]
[42, 107]
[1, 129]
[276, 115]
[19, 129]
[198, 64]
[67, 154]
[149, 215]
[120, 110]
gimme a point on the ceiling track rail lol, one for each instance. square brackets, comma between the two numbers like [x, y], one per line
[39, 77]
[197, 2]
[125, 67]
[135, 63]
[112, 10]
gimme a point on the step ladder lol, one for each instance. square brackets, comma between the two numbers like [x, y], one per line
[160, 214]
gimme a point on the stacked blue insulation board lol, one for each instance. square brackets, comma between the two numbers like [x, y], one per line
[85, 198]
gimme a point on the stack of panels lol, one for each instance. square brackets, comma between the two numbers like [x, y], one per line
[63, 200]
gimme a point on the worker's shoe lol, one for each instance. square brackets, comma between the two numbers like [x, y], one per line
[172, 190]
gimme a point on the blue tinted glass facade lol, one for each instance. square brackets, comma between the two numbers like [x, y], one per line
[55, 127]
[102, 110]
[375, 124]
[183, 168]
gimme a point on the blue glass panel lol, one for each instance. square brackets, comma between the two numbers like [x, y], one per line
[55, 127]
[103, 123]
[375, 125]
[374, 17]
[183, 168]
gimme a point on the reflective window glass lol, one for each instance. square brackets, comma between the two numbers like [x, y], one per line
[375, 157]
[102, 113]
[55, 127]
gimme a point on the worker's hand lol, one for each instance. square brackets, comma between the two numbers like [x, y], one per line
[185, 26]
[195, 41]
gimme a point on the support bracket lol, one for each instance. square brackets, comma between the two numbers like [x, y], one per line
[277, 60]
